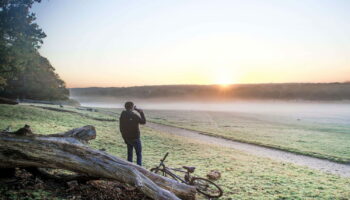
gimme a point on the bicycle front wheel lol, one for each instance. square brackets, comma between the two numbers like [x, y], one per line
[206, 187]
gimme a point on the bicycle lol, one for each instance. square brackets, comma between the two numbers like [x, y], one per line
[203, 185]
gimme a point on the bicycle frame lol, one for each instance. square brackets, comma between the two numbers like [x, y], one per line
[168, 171]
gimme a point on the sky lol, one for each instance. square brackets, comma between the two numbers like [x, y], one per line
[112, 43]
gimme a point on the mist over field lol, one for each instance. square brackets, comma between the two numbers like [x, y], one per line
[321, 112]
[321, 102]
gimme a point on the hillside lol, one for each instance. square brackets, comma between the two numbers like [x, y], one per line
[244, 176]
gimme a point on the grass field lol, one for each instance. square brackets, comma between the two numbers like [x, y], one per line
[243, 176]
[323, 140]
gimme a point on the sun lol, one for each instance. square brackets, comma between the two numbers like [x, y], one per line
[223, 79]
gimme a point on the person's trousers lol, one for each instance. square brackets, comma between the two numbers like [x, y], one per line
[135, 144]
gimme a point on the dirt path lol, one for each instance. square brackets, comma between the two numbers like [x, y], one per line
[314, 163]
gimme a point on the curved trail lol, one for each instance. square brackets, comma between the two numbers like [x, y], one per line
[311, 162]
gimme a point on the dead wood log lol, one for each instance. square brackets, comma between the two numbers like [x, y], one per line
[4, 100]
[83, 134]
[62, 152]
[44, 174]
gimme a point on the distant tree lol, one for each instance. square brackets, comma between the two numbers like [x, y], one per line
[23, 72]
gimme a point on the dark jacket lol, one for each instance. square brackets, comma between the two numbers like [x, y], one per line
[129, 124]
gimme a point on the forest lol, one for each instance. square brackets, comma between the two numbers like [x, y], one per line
[24, 73]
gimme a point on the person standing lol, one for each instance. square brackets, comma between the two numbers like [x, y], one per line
[129, 128]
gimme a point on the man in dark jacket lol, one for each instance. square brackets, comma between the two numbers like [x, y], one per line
[129, 127]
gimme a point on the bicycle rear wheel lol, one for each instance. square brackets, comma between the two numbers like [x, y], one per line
[206, 187]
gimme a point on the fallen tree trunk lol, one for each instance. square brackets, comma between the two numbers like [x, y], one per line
[65, 151]
[4, 100]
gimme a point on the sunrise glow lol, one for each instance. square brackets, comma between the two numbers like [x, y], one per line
[185, 42]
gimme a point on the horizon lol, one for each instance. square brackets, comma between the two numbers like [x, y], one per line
[127, 44]
[220, 85]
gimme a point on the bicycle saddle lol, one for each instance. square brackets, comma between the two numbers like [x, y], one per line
[189, 169]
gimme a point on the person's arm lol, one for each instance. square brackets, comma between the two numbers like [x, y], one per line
[142, 118]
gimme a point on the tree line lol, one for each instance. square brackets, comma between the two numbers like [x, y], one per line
[281, 91]
[24, 73]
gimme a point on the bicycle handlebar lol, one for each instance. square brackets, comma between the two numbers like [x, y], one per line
[162, 160]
